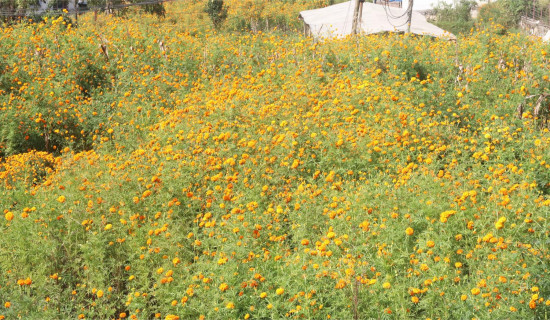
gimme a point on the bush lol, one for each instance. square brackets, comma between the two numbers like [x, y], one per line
[505, 13]
[455, 18]
[217, 12]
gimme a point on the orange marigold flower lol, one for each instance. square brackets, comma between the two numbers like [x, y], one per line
[223, 287]
[9, 216]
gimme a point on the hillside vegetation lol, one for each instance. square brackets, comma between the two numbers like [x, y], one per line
[159, 169]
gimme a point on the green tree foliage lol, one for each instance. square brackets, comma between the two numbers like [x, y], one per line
[15, 7]
[506, 12]
[455, 18]
[217, 12]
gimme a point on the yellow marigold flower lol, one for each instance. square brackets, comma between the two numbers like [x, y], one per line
[280, 291]
[263, 295]
[61, 199]
[176, 261]
[409, 231]
[99, 293]
[386, 285]
[9, 216]
[500, 223]
[223, 287]
[475, 291]
[108, 226]
[463, 297]
[230, 305]
[430, 244]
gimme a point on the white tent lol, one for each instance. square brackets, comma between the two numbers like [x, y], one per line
[336, 21]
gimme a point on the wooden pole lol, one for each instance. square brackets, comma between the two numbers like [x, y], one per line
[409, 15]
[360, 13]
[75, 13]
[355, 24]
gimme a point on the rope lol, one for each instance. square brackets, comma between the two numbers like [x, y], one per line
[390, 15]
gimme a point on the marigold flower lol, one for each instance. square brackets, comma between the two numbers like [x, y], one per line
[9, 216]
[223, 287]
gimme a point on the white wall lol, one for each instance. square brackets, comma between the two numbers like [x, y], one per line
[430, 4]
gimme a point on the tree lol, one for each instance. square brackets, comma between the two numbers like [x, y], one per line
[217, 12]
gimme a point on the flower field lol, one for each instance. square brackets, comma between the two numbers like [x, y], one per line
[159, 169]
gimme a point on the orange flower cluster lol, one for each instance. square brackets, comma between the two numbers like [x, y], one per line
[193, 174]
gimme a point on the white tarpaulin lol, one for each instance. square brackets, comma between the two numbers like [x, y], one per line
[336, 21]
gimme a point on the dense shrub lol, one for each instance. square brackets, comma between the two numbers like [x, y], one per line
[457, 18]
[505, 13]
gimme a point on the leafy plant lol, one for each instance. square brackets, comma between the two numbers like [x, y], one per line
[455, 18]
[217, 12]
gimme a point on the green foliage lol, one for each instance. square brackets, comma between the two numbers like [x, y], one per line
[201, 170]
[155, 9]
[506, 13]
[217, 12]
[457, 18]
